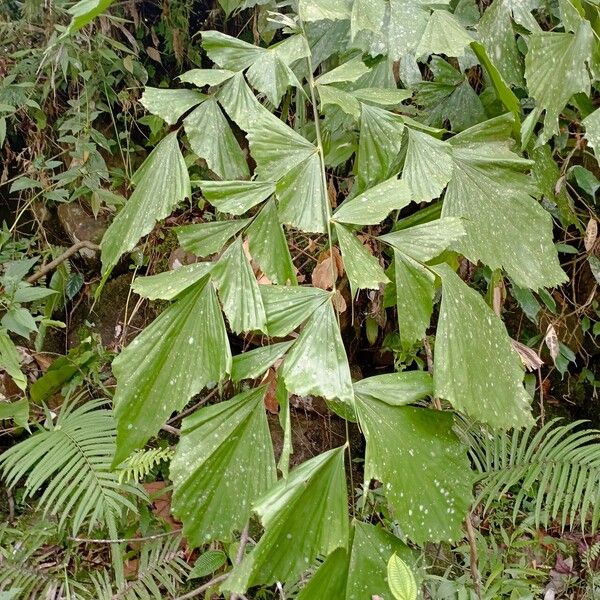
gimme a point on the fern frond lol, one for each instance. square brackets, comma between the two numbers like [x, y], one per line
[141, 462]
[71, 462]
[161, 570]
[556, 467]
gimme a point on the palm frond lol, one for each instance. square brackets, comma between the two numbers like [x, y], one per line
[141, 462]
[71, 462]
[556, 468]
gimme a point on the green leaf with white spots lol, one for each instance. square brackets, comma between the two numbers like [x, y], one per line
[202, 77]
[428, 166]
[169, 105]
[395, 389]
[236, 197]
[506, 227]
[254, 363]
[317, 363]
[476, 368]
[228, 52]
[592, 132]
[555, 70]
[224, 461]
[351, 70]
[331, 95]
[168, 285]
[270, 75]
[176, 356]
[211, 138]
[330, 579]
[268, 246]
[239, 291]
[288, 307]
[203, 239]
[298, 524]
[362, 268]
[285, 421]
[423, 467]
[379, 146]
[162, 182]
[386, 97]
[443, 35]
[324, 10]
[375, 204]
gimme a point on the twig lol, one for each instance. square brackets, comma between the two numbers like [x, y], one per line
[60, 259]
[171, 430]
[473, 556]
[203, 588]
[240, 554]
[122, 540]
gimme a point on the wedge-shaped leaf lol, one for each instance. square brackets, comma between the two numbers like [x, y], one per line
[443, 35]
[386, 97]
[324, 10]
[379, 146]
[303, 200]
[224, 461]
[253, 364]
[363, 269]
[423, 466]
[168, 285]
[506, 227]
[476, 367]
[270, 75]
[239, 291]
[203, 239]
[10, 360]
[375, 204]
[289, 307]
[211, 138]
[182, 351]
[236, 197]
[240, 103]
[161, 183]
[303, 516]
[285, 421]
[395, 388]
[169, 105]
[317, 362]
[555, 70]
[331, 95]
[372, 548]
[229, 52]
[592, 132]
[427, 167]
[351, 70]
[268, 246]
[202, 77]
[330, 579]
[426, 241]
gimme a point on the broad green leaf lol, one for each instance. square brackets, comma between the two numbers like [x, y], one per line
[395, 389]
[224, 461]
[303, 199]
[592, 132]
[330, 579]
[168, 285]
[476, 368]
[18, 411]
[169, 105]
[367, 15]
[371, 548]
[85, 11]
[427, 167]
[270, 75]
[207, 563]
[202, 77]
[379, 146]
[203, 239]
[239, 291]
[317, 363]
[268, 246]
[382, 96]
[555, 70]
[228, 52]
[321, 10]
[426, 241]
[375, 204]
[351, 70]
[240, 103]
[362, 268]
[211, 138]
[506, 227]
[236, 197]
[443, 35]
[289, 307]
[423, 467]
[182, 351]
[254, 363]
[161, 183]
[330, 95]
[10, 360]
[401, 579]
[303, 516]
[230, 5]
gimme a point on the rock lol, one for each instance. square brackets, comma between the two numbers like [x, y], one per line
[79, 225]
